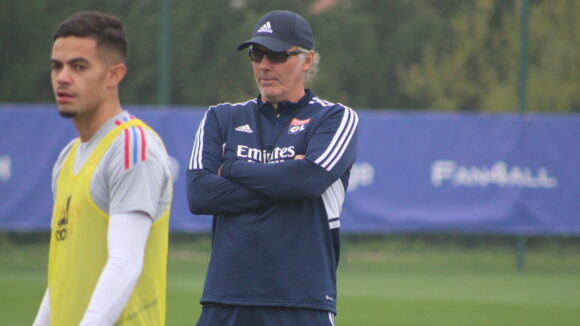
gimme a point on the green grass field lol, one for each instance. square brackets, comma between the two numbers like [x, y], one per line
[381, 282]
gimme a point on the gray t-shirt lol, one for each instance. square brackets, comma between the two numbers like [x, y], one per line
[125, 181]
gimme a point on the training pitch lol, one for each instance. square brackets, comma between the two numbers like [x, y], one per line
[380, 284]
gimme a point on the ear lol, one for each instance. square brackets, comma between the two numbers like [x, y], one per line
[116, 74]
[308, 61]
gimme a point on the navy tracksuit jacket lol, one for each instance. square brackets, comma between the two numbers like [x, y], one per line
[276, 220]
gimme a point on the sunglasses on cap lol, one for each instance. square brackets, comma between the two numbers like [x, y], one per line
[256, 55]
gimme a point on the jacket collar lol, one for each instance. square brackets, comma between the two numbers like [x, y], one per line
[285, 107]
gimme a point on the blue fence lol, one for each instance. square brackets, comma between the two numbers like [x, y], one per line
[415, 172]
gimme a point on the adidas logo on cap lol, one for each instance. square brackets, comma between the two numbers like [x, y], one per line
[266, 28]
[290, 30]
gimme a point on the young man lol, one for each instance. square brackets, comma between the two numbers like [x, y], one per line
[112, 189]
[273, 171]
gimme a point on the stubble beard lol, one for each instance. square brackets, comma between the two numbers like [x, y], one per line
[67, 114]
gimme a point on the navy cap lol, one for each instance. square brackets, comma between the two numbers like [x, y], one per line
[280, 30]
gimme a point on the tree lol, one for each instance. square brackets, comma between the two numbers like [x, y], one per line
[474, 67]
[399, 54]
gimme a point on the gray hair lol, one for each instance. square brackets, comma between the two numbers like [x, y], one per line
[313, 70]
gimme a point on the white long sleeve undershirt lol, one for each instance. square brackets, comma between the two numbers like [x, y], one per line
[43, 315]
[126, 240]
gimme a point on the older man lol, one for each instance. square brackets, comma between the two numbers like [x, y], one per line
[273, 171]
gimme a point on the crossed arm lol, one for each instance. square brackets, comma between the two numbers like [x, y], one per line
[231, 186]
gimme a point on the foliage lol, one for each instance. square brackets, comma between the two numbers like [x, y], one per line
[475, 67]
[401, 54]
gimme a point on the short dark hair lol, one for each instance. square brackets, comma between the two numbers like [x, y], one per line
[106, 29]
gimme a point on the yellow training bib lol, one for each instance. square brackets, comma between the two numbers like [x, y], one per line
[78, 248]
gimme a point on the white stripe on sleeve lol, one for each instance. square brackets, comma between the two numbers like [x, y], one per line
[196, 152]
[340, 140]
[333, 198]
[345, 144]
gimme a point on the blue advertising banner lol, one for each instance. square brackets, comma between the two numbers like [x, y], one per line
[466, 173]
[415, 172]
